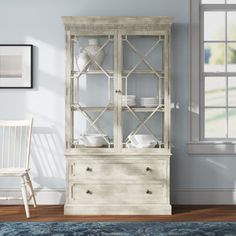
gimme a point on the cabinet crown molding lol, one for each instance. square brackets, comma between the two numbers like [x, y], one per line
[117, 22]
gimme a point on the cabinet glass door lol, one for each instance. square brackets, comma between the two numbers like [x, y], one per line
[93, 91]
[143, 101]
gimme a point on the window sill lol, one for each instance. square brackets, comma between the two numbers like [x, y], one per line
[211, 148]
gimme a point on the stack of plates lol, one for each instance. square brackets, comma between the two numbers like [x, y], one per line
[129, 100]
[148, 101]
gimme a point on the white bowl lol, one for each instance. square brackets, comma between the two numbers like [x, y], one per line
[130, 145]
[148, 98]
[93, 140]
[142, 140]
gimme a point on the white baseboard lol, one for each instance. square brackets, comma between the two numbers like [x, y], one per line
[184, 196]
[43, 196]
[204, 196]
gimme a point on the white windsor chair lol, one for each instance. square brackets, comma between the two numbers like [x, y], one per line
[15, 142]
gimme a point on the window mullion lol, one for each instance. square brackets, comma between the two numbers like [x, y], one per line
[218, 7]
[226, 70]
[227, 109]
[202, 78]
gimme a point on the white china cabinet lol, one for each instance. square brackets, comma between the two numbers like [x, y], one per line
[117, 115]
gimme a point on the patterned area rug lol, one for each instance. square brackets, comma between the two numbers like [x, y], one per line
[118, 229]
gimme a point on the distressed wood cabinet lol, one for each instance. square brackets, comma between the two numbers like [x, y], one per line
[117, 115]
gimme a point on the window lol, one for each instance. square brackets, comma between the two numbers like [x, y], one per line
[213, 76]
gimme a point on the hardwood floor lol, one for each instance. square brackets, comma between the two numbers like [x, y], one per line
[180, 213]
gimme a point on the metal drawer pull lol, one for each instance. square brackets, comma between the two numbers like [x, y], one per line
[148, 192]
[89, 169]
[89, 192]
[118, 91]
[148, 169]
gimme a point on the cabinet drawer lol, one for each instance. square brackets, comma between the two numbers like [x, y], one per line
[118, 193]
[149, 170]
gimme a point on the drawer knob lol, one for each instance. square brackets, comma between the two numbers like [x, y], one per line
[89, 192]
[148, 169]
[148, 192]
[89, 169]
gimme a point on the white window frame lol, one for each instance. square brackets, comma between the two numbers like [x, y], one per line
[197, 144]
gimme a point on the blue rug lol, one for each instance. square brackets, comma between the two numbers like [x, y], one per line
[118, 229]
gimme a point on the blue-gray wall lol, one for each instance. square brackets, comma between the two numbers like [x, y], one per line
[193, 179]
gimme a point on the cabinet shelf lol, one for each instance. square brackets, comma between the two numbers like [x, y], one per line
[111, 72]
[94, 72]
[145, 72]
[92, 109]
[143, 109]
[125, 109]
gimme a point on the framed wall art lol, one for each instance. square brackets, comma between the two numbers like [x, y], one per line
[16, 66]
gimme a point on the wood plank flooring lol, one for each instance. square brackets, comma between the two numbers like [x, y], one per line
[48, 213]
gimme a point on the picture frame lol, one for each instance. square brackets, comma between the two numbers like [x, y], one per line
[16, 66]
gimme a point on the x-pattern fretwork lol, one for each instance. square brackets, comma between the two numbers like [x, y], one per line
[93, 121]
[142, 123]
[143, 59]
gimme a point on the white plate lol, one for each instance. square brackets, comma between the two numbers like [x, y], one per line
[148, 98]
[148, 102]
[151, 102]
[148, 105]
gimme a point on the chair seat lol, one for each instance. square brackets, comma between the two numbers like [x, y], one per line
[13, 171]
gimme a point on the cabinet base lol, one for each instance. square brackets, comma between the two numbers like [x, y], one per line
[146, 209]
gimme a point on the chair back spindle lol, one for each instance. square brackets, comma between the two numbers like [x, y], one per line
[15, 139]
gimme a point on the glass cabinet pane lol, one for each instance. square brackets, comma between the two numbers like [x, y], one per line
[89, 135]
[146, 136]
[136, 48]
[93, 91]
[142, 97]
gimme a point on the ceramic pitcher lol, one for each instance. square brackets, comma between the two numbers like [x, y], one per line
[82, 60]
